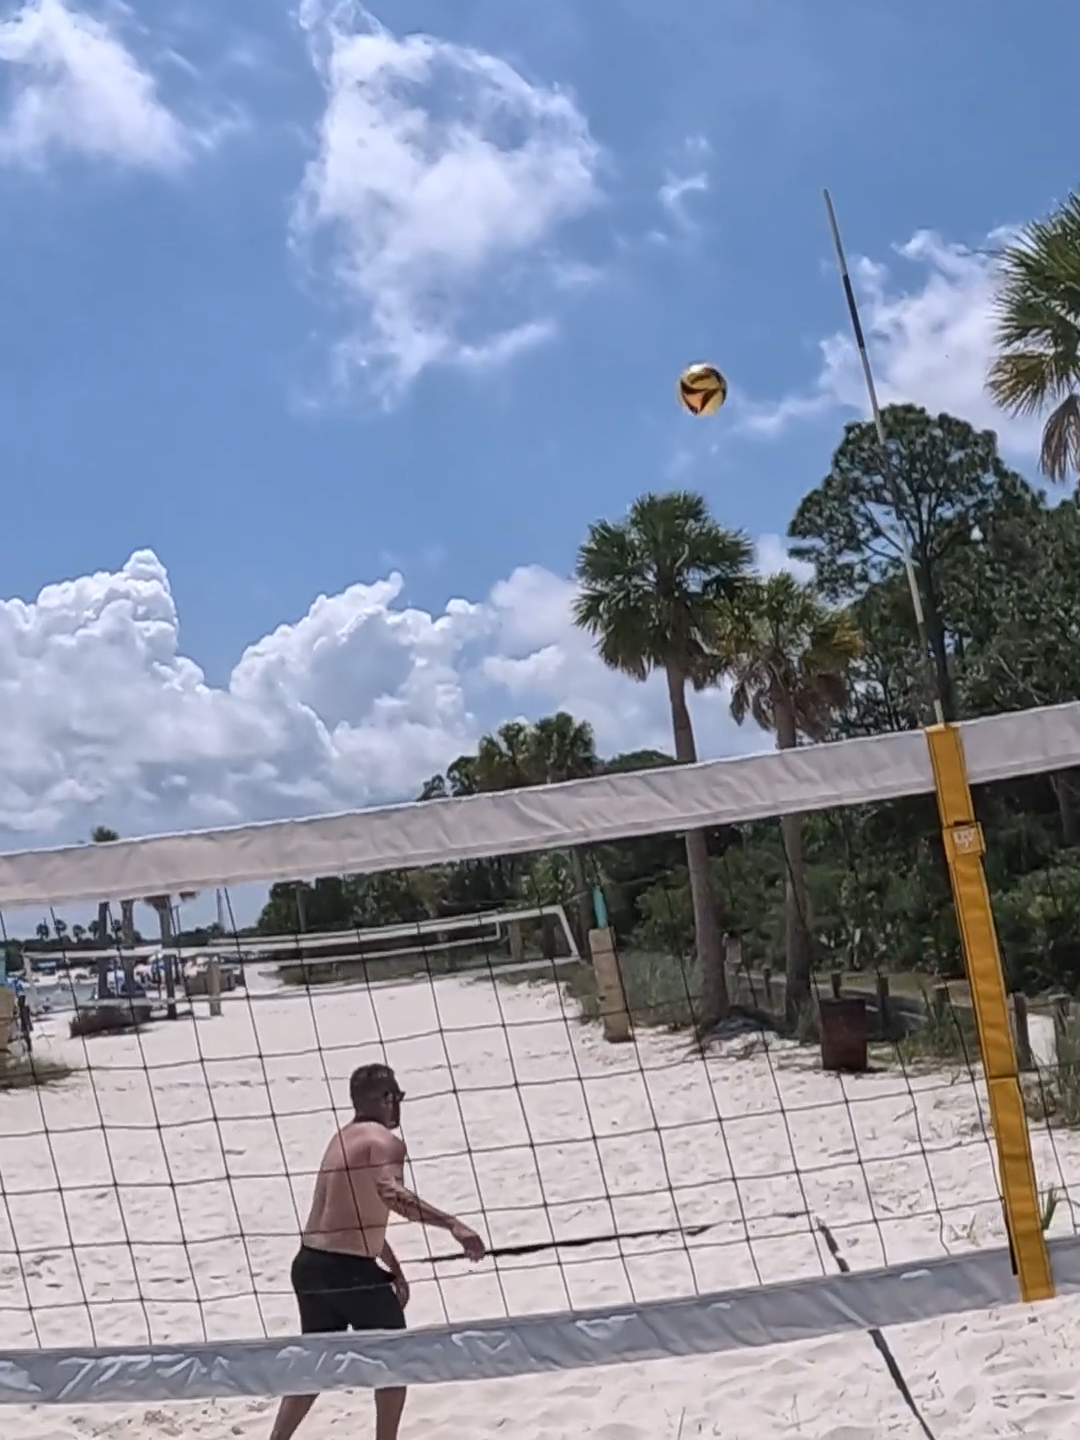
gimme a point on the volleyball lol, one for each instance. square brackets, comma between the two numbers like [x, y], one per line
[702, 389]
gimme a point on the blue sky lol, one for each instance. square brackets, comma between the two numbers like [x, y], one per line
[387, 307]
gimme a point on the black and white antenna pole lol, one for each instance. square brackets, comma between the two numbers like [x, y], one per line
[886, 457]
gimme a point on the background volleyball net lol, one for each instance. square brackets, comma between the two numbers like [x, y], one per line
[670, 1194]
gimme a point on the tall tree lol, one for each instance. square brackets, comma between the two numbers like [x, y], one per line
[940, 482]
[1037, 315]
[504, 758]
[788, 659]
[888, 689]
[1019, 590]
[651, 591]
[460, 779]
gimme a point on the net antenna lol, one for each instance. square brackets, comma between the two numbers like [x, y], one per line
[888, 467]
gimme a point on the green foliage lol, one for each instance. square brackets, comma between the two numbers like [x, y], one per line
[788, 657]
[931, 493]
[668, 589]
[947, 1037]
[652, 586]
[662, 990]
[1038, 334]
[666, 918]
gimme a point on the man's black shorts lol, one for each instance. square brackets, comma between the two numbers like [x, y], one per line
[339, 1292]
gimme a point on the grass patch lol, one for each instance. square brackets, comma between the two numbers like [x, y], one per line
[946, 1036]
[28, 1073]
[662, 991]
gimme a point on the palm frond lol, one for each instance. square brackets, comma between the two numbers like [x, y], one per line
[1037, 332]
[1060, 450]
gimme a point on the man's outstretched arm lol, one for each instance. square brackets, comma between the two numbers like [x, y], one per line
[396, 1196]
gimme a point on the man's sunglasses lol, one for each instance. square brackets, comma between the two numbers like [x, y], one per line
[396, 1095]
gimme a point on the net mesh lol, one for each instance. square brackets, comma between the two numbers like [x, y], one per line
[158, 1195]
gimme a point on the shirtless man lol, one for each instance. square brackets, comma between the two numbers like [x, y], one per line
[346, 1276]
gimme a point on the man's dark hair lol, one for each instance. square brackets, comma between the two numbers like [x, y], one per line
[368, 1081]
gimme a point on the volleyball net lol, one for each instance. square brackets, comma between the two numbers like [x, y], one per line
[651, 1178]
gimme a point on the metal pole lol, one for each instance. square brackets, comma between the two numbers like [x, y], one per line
[886, 460]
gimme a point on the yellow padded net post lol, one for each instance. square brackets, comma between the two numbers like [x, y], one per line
[964, 849]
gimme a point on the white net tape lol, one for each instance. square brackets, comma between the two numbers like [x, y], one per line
[852, 772]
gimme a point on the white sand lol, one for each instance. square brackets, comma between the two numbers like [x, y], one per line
[525, 1123]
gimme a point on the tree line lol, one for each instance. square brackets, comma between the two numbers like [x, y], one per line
[669, 589]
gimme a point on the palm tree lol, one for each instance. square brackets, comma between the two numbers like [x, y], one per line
[562, 748]
[1038, 334]
[652, 589]
[504, 759]
[788, 656]
[520, 754]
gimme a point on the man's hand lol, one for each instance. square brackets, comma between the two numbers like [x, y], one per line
[393, 1264]
[469, 1241]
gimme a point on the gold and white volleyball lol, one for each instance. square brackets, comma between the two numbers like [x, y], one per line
[702, 389]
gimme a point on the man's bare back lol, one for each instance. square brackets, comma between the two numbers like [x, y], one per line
[348, 1214]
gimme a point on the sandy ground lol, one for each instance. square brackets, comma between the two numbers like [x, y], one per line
[191, 1150]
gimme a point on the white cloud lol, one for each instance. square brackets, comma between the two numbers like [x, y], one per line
[107, 721]
[929, 330]
[689, 178]
[441, 176]
[773, 557]
[77, 88]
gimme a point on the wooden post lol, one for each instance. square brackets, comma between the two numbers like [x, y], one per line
[766, 985]
[939, 1001]
[884, 1008]
[1021, 1031]
[733, 966]
[836, 980]
[549, 933]
[9, 1008]
[213, 985]
[517, 944]
[614, 1012]
[163, 905]
[1062, 1009]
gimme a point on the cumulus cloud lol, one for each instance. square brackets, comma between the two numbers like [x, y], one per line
[929, 329]
[441, 177]
[76, 87]
[106, 720]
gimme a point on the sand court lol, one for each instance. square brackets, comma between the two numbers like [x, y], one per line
[158, 1196]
